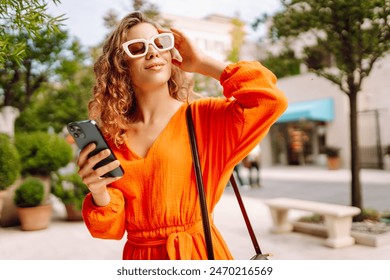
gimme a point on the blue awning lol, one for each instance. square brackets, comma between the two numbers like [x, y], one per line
[316, 110]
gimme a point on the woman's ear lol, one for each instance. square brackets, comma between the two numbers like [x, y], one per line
[176, 55]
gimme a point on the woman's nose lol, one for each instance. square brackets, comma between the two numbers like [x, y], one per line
[152, 51]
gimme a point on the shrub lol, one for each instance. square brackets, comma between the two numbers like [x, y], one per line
[331, 151]
[30, 193]
[69, 188]
[371, 214]
[42, 153]
[10, 165]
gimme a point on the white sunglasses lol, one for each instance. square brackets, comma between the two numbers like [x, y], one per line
[139, 47]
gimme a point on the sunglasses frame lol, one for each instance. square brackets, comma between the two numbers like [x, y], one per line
[147, 43]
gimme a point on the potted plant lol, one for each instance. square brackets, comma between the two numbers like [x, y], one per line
[71, 190]
[42, 153]
[33, 213]
[10, 166]
[333, 157]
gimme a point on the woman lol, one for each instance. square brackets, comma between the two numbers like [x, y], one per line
[139, 103]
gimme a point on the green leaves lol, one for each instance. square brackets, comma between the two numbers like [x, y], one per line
[69, 188]
[52, 71]
[10, 165]
[30, 193]
[18, 16]
[284, 64]
[42, 153]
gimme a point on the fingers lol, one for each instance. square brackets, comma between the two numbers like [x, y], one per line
[179, 37]
[192, 56]
[96, 175]
[93, 178]
[83, 156]
[177, 32]
[86, 164]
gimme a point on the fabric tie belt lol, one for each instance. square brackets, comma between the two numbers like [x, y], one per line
[178, 244]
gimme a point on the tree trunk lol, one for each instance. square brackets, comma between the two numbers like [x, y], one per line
[356, 191]
[8, 115]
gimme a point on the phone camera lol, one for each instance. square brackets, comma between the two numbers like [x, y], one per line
[79, 134]
[76, 131]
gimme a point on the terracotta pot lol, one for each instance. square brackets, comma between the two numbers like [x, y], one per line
[73, 214]
[333, 163]
[35, 218]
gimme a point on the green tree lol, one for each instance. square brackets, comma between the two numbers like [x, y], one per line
[356, 34]
[65, 99]
[55, 107]
[18, 16]
[237, 34]
[20, 80]
[150, 10]
[51, 85]
[283, 65]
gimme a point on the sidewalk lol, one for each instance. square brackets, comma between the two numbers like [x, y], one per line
[316, 173]
[71, 241]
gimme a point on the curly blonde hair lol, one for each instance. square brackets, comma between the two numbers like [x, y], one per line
[113, 103]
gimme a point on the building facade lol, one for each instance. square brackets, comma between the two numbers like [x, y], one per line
[318, 116]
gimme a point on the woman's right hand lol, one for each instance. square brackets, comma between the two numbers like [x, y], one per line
[93, 178]
[194, 59]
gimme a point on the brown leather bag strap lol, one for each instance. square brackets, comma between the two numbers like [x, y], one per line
[245, 215]
[199, 184]
[199, 181]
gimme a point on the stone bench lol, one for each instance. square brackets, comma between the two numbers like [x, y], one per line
[338, 218]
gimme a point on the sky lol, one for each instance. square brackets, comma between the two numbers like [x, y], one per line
[85, 17]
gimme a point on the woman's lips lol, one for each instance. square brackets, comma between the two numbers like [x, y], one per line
[155, 66]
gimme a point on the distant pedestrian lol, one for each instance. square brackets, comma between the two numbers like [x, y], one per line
[237, 174]
[252, 161]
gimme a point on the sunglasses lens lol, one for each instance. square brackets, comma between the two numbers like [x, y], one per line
[163, 42]
[137, 48]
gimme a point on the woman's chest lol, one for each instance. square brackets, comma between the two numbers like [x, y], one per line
[165, 168]
[140, 139]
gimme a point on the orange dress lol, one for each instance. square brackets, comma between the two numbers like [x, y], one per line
[156, 201]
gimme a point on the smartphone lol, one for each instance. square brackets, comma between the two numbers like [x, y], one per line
[86, 132]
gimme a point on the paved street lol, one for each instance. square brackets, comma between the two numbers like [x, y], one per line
[70, 240]
[317, 184]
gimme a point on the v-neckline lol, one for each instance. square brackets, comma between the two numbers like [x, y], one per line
[158, 138]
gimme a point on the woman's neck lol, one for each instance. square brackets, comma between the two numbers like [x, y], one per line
[152, 105]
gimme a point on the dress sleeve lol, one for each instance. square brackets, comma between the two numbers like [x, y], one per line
[107, 222]
[228, 129]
